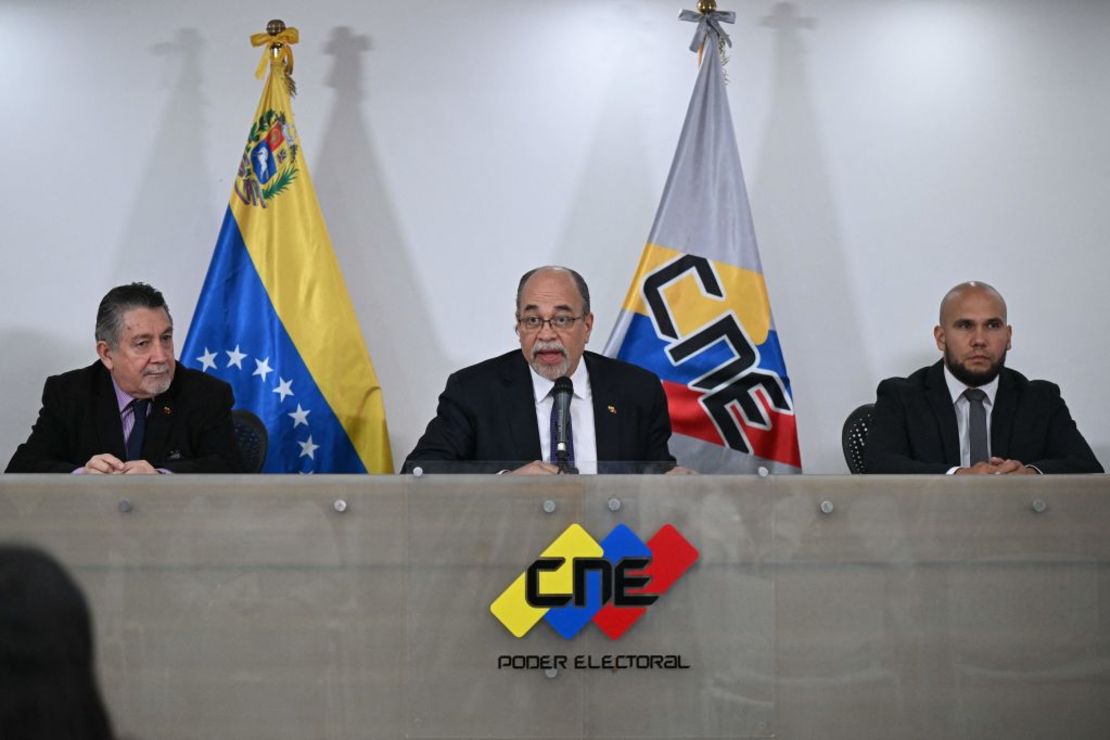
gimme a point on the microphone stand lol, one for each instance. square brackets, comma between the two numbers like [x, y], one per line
[563, 461]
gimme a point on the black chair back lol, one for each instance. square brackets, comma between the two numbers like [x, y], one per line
[853, 438]
[253, 439]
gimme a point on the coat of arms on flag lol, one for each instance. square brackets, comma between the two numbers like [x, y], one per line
[270, 160]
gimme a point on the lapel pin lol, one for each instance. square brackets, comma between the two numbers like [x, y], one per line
[167, 410]
[612, 409]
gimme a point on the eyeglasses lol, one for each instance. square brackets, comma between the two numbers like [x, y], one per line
[532, 324]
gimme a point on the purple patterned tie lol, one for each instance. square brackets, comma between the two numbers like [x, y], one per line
[135, 441]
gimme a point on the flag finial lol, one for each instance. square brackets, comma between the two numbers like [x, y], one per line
[709, 19]
[278, 39]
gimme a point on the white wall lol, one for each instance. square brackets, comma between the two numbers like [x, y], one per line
[891, 149]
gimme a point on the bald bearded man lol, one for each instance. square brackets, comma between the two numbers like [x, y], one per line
[969, 413]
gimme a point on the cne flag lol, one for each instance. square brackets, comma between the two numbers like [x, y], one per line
[274, 318]
[697, 313]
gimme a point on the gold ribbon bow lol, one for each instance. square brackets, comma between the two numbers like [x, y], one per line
[281, 42]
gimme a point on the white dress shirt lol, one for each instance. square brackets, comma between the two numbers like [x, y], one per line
[962, 406]
[581, 417]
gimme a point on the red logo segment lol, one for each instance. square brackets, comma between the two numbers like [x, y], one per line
[671, 556]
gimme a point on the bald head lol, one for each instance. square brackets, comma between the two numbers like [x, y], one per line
[953, 298]
[546, 270]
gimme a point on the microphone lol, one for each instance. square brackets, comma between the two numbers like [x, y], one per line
[562, 394]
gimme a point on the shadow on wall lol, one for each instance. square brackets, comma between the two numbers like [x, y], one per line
[615, 189]
[368, 243]
[173, 198]
[30, 358]
[803, 255]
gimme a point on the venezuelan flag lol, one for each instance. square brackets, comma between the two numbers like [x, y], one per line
[698, 314]
[274, 318]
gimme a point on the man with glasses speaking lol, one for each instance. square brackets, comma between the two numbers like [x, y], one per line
[510, 413]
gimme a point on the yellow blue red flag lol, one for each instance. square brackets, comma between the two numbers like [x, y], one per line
[698, 313]
[274, 318]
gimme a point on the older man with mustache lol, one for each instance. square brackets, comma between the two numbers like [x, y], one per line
[497, 416]
[135, 410]
[969, 413]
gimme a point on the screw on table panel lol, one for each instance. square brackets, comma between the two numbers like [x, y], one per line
[340, 505]
[614, 504]
[1039, 506]
[549, 506]
[124, 506]
[827, 507]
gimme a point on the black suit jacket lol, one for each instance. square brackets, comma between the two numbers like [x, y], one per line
[188, 429]
[914, 430]
[487, 414]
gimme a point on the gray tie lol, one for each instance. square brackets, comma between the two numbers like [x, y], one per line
[977, 425]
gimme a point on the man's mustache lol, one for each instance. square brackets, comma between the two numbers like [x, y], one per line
[548, 347]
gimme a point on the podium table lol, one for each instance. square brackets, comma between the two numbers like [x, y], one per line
[359, 607]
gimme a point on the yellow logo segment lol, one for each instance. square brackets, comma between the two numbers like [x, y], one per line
[512, 608]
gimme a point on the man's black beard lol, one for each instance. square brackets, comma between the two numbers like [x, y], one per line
[971, 378]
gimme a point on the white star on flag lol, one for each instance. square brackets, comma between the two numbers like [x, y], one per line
[308, 448]
[263, 368]
[207, 360]
[235, 357]
[300, 416]
[285, 388]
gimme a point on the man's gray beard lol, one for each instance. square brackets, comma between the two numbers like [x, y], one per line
[551, 372]
[973, 379]
[162, 387]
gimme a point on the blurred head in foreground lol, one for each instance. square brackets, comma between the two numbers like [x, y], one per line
[47, 683]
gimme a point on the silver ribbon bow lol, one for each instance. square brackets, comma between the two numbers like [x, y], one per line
[707, 22]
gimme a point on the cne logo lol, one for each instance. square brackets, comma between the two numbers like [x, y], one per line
[578, 580]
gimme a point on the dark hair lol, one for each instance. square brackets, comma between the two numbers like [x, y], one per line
[579, 281]
[47, 684]
[120, 300]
